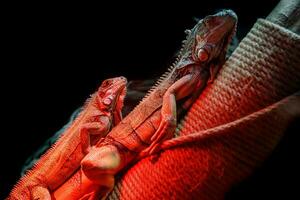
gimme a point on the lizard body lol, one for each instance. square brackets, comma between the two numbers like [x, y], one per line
[101, 111]
[154, 119]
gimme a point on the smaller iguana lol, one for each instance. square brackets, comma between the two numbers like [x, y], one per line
[154, 120]
[101, 112]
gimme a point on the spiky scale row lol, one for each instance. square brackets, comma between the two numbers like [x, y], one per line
[169, 70]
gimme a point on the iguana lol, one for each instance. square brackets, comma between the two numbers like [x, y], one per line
[101, 112]
[154, 120]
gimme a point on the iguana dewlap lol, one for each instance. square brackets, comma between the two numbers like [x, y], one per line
[61, 161]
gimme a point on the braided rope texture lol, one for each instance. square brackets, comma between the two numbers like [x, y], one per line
[244, 114]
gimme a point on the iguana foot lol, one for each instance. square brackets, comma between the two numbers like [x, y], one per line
[100, 166]
[164, 131]
[101, 161]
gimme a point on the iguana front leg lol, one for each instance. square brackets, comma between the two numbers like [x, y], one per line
[180, 89]
[99, 128]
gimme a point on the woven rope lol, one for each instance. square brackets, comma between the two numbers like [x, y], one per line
[238, 120]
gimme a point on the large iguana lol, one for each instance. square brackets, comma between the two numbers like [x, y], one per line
[101, 112]
[154, 119]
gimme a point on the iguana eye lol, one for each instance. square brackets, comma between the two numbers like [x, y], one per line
[202, 55]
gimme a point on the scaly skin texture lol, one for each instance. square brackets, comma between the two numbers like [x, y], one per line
[154, 119]
[101, 112]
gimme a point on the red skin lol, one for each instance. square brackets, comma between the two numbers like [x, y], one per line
[63, 159]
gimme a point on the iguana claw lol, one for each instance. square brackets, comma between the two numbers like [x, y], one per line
[164, 131]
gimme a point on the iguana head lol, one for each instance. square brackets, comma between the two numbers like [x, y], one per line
[206, 44]
[111, 96]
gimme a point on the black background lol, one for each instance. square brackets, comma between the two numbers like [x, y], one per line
[56, 55]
